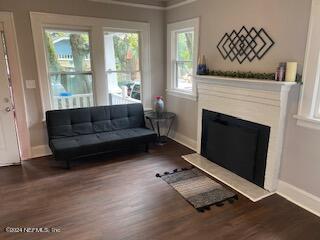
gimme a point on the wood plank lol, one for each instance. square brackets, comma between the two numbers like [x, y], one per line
[243, 186]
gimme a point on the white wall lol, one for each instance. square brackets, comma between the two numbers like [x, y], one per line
[287, 23]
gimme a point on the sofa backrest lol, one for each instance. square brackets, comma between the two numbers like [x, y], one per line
[81, 121]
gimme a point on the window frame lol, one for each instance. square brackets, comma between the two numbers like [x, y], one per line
[177, 61]
[172, 30]
[68, 29]
[308, 113]
[141, 67]
[96, 27]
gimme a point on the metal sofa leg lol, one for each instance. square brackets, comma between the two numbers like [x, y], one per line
[68, 165]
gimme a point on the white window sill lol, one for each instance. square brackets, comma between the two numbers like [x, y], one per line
[307, 122]
[182, 94]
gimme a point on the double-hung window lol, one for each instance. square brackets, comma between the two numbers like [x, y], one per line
[183, 38]
[69, 68]
[309, 107]
[123, 66]
[184, 60]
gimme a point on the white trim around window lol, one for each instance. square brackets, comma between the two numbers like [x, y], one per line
[172, 30]
[309, 106]
[96, 27]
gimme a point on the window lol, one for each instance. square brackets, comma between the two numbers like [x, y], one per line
[182, 55]
[309, 106]
[69, 69]
[184, 60]
[123, 70]
[76, 73]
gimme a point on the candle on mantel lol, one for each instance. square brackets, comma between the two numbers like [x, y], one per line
[291, 72]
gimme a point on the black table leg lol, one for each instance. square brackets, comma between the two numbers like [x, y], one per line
[170, 126]
[158, 129]
[151, 123]
[155, 120]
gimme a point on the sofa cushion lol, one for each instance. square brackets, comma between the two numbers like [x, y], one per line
[121, 135]
[72, 147]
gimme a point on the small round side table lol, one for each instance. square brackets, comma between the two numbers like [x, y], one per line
[155, 118]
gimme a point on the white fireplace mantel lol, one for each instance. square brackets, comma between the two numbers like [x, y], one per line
[266, 85]
[261, 101]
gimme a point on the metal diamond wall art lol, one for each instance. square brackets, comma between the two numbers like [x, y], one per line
[245, 44]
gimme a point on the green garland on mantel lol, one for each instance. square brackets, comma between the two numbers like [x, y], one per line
[248, 75]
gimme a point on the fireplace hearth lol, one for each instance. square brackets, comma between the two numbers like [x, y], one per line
[235, 144]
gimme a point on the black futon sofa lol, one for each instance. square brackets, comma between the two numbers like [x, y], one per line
[77, 133]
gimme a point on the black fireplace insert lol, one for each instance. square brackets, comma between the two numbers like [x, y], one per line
[235, 144]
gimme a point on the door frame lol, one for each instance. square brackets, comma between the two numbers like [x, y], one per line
[23, 134]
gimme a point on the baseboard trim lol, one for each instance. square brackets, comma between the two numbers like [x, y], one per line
[40, 151]
[185, 141]
[299, 197]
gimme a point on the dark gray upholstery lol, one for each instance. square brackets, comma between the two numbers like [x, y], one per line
[79, 132]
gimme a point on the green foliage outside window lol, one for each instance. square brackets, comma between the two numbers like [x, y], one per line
[52, 56]
[126, 48]
[77, 61]
[185, 46]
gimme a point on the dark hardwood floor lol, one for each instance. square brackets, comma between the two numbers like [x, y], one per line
[119, 197]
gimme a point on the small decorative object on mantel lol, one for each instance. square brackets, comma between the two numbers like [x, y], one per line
[158, 104]
[291, 71]
[287, 72]
[245, 44]
[202, 68]
[280, 73]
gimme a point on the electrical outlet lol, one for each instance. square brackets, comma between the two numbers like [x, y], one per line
[30, 84]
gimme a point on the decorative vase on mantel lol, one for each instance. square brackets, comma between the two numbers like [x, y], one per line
[202, 68]
[158, 104]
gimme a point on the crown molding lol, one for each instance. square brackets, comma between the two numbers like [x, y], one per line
[180, 4]
[139, 5]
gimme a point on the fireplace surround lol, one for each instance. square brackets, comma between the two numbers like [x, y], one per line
[261, 102]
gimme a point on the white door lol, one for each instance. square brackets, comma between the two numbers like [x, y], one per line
[9, 151]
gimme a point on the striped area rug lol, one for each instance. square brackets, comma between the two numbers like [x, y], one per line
[198, 189]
